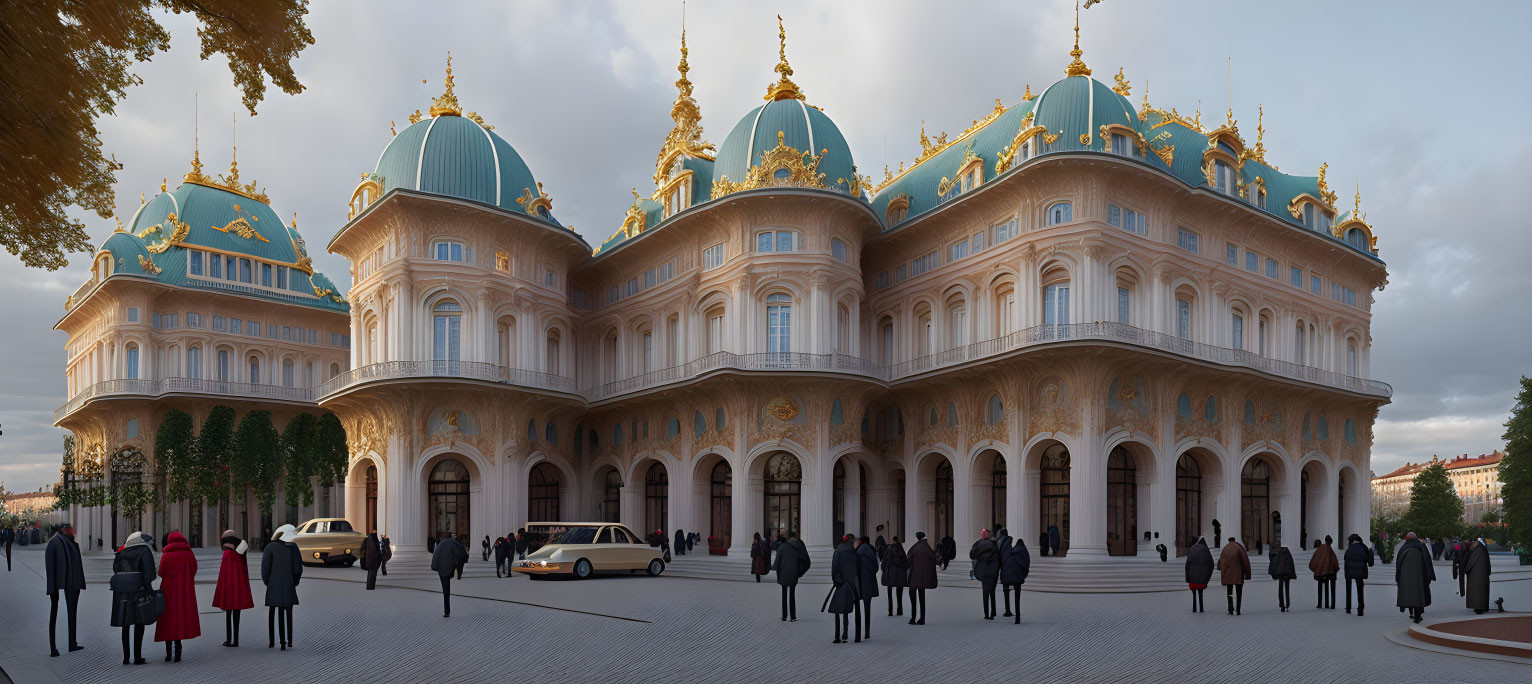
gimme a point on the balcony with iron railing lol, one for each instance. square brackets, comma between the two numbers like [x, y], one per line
[460, 370]
[150, 389]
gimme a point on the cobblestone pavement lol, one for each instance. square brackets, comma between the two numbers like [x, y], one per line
[670, 629]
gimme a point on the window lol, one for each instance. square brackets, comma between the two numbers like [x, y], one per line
[715, 332]
[132, 314]
[132, 362]
[899, 273]
[1261, 336]
[1271, 269]
[1005, 231]
[1183, 319]
[959, 250]
[1343, 294]
[1121, 145]
[958, 326]
[1260, 198]
[881, 281]
[1351, 358]
[1231, 254]
[447, 326]
[1252, 262]
[646, 353]
[255, 328]
[1127, 219]
[449, 251]
[838, 249]
[282, 277]
[978, 243]
[922, 264]
[194, 262]
[1314, 285]
[778, 241]
[1308, 215]
[1056, 304]
[194, 362]
[1062, 212]
[223, 365]
[214, 266]
[1223, 175]
[1123, 305]
[1239, 332]
[1295, 276]
[266, 275]
[1358, 239]
[1187, 240]
[1298, 344]
[287, 372]
[246, 269]
[231, 268]
[549, 278]
[194, 320]
[779, 323]
[218, 322]
[712, 257]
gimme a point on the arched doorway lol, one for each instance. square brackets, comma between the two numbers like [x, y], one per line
[783, 485]
[1188, 503]
[543, 493]
[899, 514]
[1255, 503]
[997, 483]
[610, 508]
[372, 498]
[838, 503]
[721, 503]
[1053, 493]
[448, 494]
[656, 498]
[942, 511]
[1121, 504]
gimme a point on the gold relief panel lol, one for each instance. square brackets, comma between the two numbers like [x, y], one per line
[502, 262]
[147, 263]
[781, 166]
[845, 434]
[782, 408]
[1055, 412]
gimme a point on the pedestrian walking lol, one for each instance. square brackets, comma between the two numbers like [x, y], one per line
[1234, 566]
[1199, 572]
[372, 559]
[232, 592]
[760, 557]
[1437, 547]
[132, 580]
[1476, 567]
[845, 594]
[792, 563]
[1413, 576]
[1459, 558]
[522, 542]
[1013, 573]
[7, 535]
[65, 575]
[949, 550]
[179, 621]
[922, 576]
[387, 549]
[281, 570]
[502, 557]
[867, 562]
[1358, 559]
[986, 569]
[1325, 566]
[1003, 544]
[447, 560]
[1281, 569]
[680, 543]
[1054, 538]
[896, 574]
[484, 546]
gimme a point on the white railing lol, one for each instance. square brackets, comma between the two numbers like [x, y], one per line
[465, 370]
[164, 386]
[768, 361]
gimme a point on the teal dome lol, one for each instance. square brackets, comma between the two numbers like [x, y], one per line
[803, 127]
[1079, 105]
[457, 157]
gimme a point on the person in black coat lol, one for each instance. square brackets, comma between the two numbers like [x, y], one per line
[502, 557]
[1281, 569]
[446, 560]
[792, 563]
[132, 577]
[1476, 567]
[1413, 575]
[680, 543]
[922, 576]
[948, 550]
[484, 548]
[845, 596]
[387, 549]
[1003, 542]
[896, 574]
[1358, 559]
[986, 568]
[65, 575]
[281, 569]
[867, 561]
[372, 559]
[1013, 573]
[1053, 539]
[7, 535]
[1199, 571]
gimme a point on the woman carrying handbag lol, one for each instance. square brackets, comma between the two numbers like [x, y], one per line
[133, 582]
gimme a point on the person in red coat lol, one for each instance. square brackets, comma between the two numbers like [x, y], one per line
[178, 567]
[232, 593]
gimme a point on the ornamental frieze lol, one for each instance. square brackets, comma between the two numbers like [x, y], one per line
[845, 434]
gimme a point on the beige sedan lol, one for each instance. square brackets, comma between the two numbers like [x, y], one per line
[328, 540]
[581, 549]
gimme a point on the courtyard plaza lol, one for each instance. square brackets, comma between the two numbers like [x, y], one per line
[706, 620]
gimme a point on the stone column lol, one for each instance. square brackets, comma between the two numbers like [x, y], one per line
[1087, 488]
[400, 508]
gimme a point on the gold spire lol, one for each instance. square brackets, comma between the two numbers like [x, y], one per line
[686, 135]
[446, 104]
[1357, 209]
[1258, 152]
[1123, 87]
[784, 88]
[1027, 96]
[1077, 67]
[195, 175]
[683, 85]
[233, 177]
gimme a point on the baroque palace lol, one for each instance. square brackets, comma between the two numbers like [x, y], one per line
[1079, 312]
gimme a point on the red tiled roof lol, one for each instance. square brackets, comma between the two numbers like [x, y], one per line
[1463, 461]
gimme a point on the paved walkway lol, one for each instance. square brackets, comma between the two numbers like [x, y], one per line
[672, 628]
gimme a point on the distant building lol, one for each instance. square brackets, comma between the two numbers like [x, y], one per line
[1475, 478]
[34, 506]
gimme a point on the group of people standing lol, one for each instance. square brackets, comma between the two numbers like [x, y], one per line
[1413, 574]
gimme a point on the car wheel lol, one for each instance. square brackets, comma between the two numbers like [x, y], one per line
[582, 569]
[351, 562]
[656, 567]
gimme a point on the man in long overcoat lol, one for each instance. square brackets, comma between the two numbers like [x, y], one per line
[867, 562]
[922, 576]
[896, 574]
[1003, 542]
[281, 570]
[65, 575]
[1459, 555]
[1358, 559]
[372, 559]
[1053, 539]
[1413, 575]
[1013, 573]
[7, 535]
[1234, 566]
[448, 557]
[1477, 569]
[845, 596]
[1324, 565]
[1199, 571]
[792, 563]
[986, 569]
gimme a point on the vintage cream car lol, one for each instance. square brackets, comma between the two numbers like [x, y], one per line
[580, 549]
[323, 541]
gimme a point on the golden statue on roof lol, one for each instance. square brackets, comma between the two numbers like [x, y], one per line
[784, 88]
[446, 104]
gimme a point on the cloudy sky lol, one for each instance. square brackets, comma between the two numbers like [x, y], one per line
[1395, 94]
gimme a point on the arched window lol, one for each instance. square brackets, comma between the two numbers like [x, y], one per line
[1351, 358]
[994, 410]
[837, 249]
[334, 370]
[611, 496]
[447, 325]
[1298, 343]
[255, 370]
[656, 497]
[1062, 212]
[131, 371]
[543, 493]
[1357, 238]
[1056, 303]
[551, 353]
[779, 323]
[287, 372]
[194, 362]
[223, 365]
[551, 433]
[1183, 318]
[957, 324]
[1223, 176]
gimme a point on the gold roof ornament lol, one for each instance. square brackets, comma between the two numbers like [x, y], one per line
[229, 181]
[1077, 67]
[784, 88]
[802, 171]
[123, 229]
[1257, 152]
[1123, 87]
[446, 104]
[1325, 192]
[1028, 96]
[686, 136]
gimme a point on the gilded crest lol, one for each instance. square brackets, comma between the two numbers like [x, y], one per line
[782, 408]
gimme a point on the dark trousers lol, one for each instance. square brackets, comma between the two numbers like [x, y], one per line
[383, 568]
[279, 626]
[987, 598]
[1005, 592]
[231, 627]
[789, 602]
[372, 578]
[173, 650]
[1284, 594]
[1360, 602]
[1199, 605]
[446, 594]
[1013, 590]
[867, 617]
[460, 572]
[1236, 596]
[138, 642]
[892, 592]
[7, 556]
[71, 604]
[917, 605]
[1327, 590]
[842, 629]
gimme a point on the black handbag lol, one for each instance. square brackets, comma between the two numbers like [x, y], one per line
[126, 582]
[147, 607]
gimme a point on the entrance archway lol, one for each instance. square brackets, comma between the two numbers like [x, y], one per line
[1188, 503]
[543, 493]
[838, 503]
[447, 489]
[1053, 493]
[656, 498]
[372, 498]
[1121, 503]
[609, 505]
[1255, 503]
[1312, 499]
[721, 503]
[783, 494]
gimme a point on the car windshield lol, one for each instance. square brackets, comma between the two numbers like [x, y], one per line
[340, 526]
